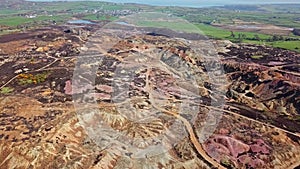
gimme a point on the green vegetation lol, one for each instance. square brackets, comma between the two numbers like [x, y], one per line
[227, 163]
[58, 12]
[290, 45]
[14, 21]
[80, 6]
[219, 33]
[57, 18]
[297, 118]
[6, 90]
[213, 32]
[25, 79]
[177, 26]
[257, 57]
[205, 19]
[285, 42]
[96, 17]
[231, 14]
[250, 37]
[9, 12]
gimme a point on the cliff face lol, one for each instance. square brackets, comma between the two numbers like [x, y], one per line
[146, 101]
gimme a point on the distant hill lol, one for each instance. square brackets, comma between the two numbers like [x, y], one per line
[194, 3]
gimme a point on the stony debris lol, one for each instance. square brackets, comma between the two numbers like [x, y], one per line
[41, 124]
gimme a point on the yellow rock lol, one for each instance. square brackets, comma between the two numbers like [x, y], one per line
[40, 49]
[47, 92]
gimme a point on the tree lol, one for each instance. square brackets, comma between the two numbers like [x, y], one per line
[280, 37]
[275, 38]
[244, 36]
[256, 37]
[241, 37]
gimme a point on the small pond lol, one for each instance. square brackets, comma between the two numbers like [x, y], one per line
[80, 22]
[122, 23]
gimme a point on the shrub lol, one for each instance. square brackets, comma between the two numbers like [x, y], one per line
[26, 78]
[6, 90]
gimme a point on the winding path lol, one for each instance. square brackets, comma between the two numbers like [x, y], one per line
[187, 124]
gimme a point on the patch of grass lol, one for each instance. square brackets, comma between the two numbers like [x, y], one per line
[84, 6]
[218, 33]
[14, 21]
[297, 118]
[282, 16]
[213, 32]
[25, 78]
[6, 90]
[4, 32]
[290, 45]
[56, 18]
[177, 26]
[257, 57]
[227, 163]
[96, 17]
[5, 12]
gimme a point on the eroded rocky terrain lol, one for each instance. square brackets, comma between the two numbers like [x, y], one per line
[113, 99]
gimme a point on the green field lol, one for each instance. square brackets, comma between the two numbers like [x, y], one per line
[218, 33]
[14, 21]
[9, 12]
[292, 45]
[177, 26]
[99, 18]
[198, 20]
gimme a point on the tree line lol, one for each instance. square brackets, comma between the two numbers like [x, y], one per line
[239, 37]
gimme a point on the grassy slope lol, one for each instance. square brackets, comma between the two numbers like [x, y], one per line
[219, 33]
[14, 21]
[100, 18]
[177, 26]
[291, 45]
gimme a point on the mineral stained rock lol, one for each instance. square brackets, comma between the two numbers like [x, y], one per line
[147, 101]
